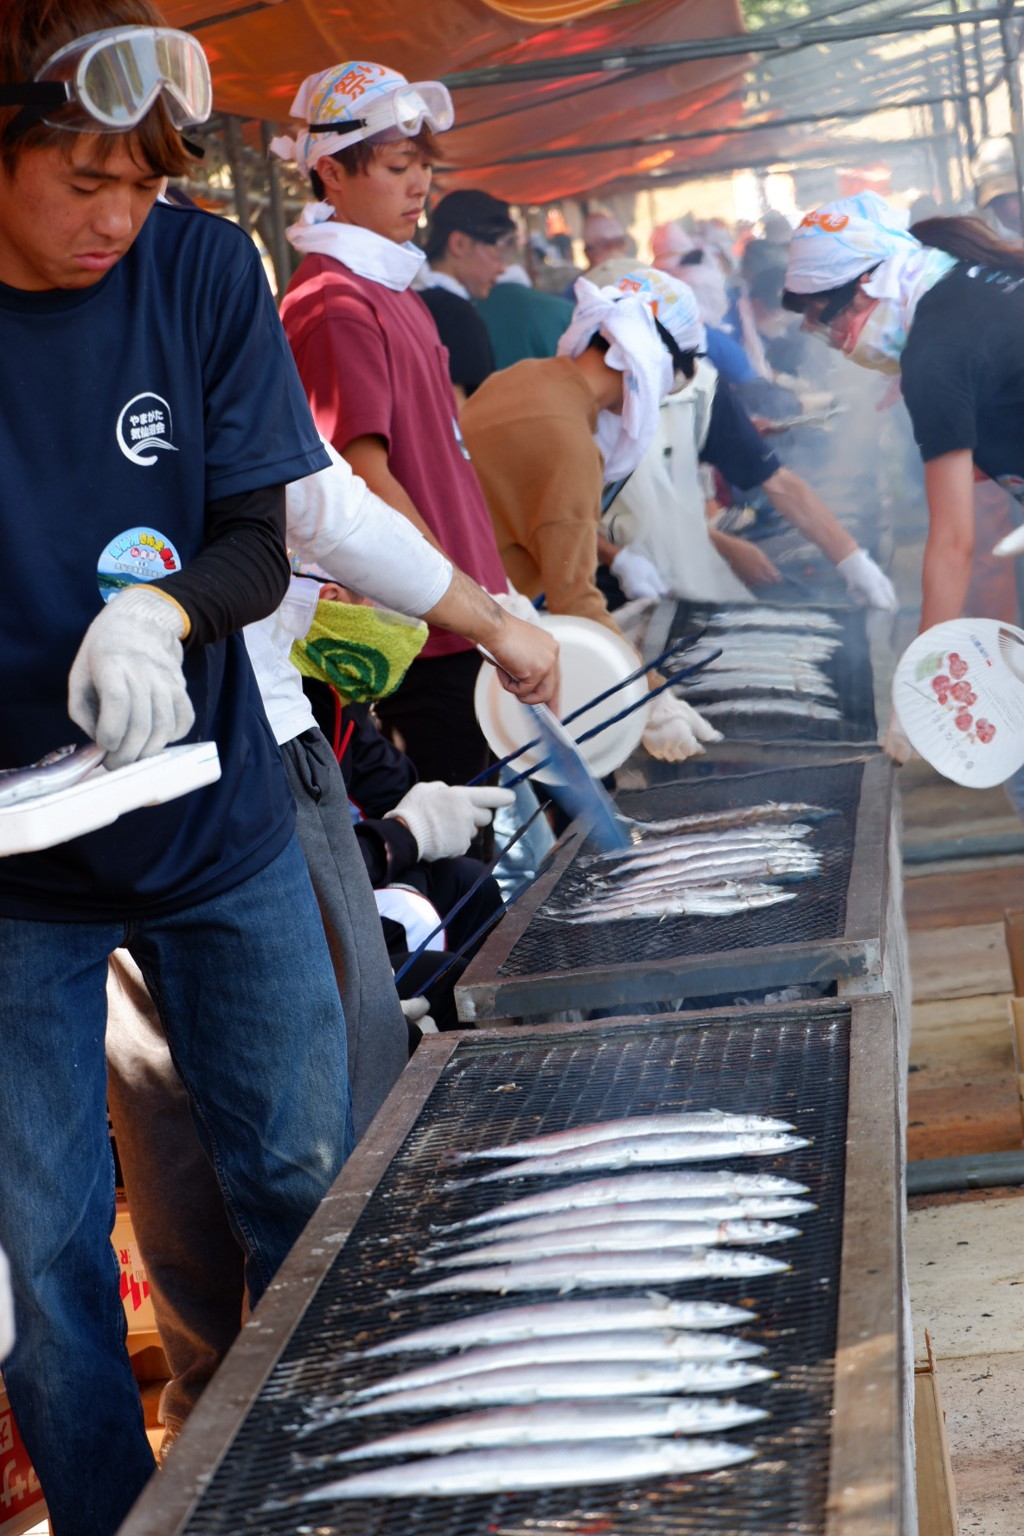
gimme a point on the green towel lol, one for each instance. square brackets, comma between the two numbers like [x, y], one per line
[362, 652]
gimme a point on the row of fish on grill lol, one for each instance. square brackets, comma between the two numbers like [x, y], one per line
[577, 1391]
[707, 864]
[772, 664]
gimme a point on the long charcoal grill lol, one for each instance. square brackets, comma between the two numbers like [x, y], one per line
[848, 670]
[829, 1459]
[535, 963]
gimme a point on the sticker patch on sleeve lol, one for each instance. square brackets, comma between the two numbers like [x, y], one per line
[138, 554]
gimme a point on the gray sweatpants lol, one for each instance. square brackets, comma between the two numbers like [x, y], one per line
[378, 1038]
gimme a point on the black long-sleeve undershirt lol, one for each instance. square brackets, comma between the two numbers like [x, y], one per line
[241, 574]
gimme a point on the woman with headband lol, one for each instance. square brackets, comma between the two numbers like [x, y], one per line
[942, 306]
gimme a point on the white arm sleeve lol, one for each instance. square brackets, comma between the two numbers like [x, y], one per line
[335, 521]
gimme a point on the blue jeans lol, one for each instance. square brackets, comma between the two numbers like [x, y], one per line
[246, 993]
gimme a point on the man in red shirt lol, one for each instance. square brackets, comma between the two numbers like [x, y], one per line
[374, 368]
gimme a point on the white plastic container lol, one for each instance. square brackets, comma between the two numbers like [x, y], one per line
[103, 796]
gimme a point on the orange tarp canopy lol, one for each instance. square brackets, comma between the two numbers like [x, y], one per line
[260, 53]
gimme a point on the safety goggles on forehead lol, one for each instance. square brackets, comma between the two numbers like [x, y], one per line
[398, 115]
[106, 82]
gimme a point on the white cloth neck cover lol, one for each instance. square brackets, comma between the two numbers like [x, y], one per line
[363, 252]
[430, 277]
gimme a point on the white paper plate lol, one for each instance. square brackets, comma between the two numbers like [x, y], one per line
[959, 694]
[102, 797]
[593, 658]
[414, 912]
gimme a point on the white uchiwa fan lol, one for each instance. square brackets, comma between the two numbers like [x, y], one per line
[959, 693]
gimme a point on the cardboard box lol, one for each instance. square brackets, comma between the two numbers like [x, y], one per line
[21, 1498]
[138, 1307]
[135, 1297]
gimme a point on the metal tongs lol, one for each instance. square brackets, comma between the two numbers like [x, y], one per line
[580, 793]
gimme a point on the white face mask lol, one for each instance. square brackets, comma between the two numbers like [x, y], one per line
[881, 340]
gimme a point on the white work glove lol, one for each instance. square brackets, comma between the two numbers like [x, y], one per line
[896, 743]
[126, 688]
[417, 1011]
[445, 818]
[868, 586]
[636, 575]
[675, 730]
[632, 617]
[517, 605]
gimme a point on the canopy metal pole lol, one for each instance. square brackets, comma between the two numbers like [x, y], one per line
[233, 15]
[278, 242]
[727, 131]
[979, 69]
[233, 146]
[1011, 56]
[963, 95]
[793, 38]
[820, 159]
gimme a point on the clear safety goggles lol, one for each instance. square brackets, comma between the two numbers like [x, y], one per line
[106, 82]
[398, 115]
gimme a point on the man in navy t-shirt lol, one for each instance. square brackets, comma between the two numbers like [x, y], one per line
[150, 416]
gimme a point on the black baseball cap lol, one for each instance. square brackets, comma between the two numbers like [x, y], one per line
[476, 214]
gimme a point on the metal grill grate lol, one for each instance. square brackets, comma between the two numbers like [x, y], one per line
[848, 670]
[817, 912]
[494, 1088]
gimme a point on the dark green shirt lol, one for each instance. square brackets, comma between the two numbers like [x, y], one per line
[523, 322]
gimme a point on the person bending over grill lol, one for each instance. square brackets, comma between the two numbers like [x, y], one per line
[547, 432]
[942, 306]
[660, 511]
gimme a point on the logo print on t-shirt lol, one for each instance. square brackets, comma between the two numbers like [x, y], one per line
[138, 554]
[144, 424]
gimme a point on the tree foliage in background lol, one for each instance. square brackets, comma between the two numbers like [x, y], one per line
[772, 13]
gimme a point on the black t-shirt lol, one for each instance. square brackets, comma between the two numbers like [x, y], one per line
[734, 445]
[963, 371]
[470, 354]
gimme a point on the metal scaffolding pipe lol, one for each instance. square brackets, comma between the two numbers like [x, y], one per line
[791, 39]
[1011, 56]
[234, 15]
[233, 150]
[963, 96]
[979, 69]
[690, 134]
[986, 1170]
[818, 159]
[278, 240]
